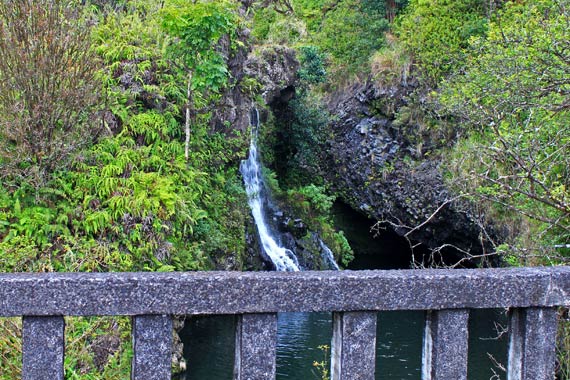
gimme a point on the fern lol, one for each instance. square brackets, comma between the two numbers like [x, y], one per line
[96, 221]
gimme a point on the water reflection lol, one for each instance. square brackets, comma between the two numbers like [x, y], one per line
[209, 348]
[488, 344]
[299, 336]
[209, 344]
[399, 345]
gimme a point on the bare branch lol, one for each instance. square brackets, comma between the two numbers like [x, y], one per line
[448, 201]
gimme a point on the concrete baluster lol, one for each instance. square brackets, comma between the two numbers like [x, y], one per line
[43, 348]
[532, 347]
[353, 346]
[256, 342]
[152, 346]
[445, 345]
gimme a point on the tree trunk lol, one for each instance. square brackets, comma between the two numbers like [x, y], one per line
[390, 10]
[187, 123]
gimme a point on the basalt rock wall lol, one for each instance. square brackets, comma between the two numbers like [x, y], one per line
[372, 163]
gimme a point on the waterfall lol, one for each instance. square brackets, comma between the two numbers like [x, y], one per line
[282, 258]
[328, 255]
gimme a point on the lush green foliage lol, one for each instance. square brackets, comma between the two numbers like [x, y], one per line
[513, 103]
[131, 201]
[312, 197]
[351, 31]
[313, 204]
[198, 28]
[347, 31]
[312, 69]
[437, 33]
[130, 36]
[500, 72]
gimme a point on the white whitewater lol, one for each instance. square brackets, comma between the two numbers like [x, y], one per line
[282, 258]
[328, 255]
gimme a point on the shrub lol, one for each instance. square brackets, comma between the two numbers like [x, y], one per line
[312, 197]
[312, 69]
[438, 32]
[48, 86]
[350, 32]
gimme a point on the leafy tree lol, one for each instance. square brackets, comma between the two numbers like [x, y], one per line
[199, 27]
[312, 69]
[48, 86]
[514, 103]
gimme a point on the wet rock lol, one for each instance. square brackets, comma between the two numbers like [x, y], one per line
[385, 182]
[272, 68]
[178, 361]
[275, 67]
[304, 243]
[255, 258]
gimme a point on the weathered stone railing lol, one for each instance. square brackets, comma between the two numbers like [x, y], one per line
[532, 295]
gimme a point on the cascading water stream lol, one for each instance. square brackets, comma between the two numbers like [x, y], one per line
[328, 256]
[282, 258]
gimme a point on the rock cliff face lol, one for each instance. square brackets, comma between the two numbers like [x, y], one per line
[231, 113]
[369, 162]
[275, 68]
[270, 71]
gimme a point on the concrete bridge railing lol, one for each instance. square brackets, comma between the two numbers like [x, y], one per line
[531, 294]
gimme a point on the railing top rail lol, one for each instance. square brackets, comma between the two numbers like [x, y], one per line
[181, 293]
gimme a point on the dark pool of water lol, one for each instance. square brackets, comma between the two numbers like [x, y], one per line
[383, 249]
[210, 345]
